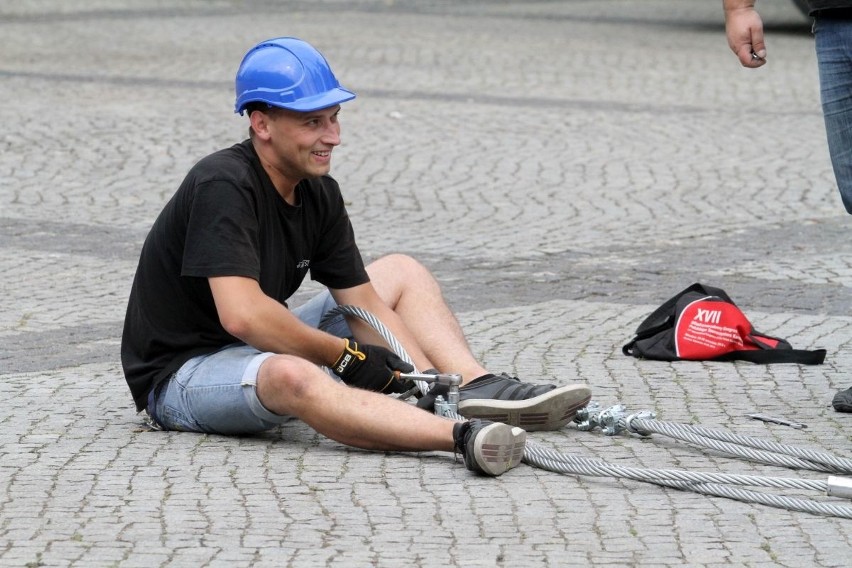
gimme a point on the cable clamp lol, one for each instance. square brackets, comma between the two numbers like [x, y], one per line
[643, 415]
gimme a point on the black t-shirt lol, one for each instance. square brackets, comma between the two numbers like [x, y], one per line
[817, 6]
[227, 219]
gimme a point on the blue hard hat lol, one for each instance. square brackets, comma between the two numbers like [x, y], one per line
[288, 73]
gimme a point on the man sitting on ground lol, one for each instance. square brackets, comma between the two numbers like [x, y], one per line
[209, 343]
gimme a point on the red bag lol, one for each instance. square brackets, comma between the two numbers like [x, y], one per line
[703, 323]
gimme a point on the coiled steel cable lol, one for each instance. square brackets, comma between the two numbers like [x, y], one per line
[704, 483]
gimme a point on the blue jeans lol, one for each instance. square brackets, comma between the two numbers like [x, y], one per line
[834, 55]
[217, 392]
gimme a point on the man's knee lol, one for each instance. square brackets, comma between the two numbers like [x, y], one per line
[284, 382]
[399, 266]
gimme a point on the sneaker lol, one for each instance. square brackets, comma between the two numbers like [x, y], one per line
[842, 401]
[501, 398]
[490, 448]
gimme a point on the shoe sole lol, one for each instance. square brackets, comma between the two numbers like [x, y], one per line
[549, 411]
[498, 448]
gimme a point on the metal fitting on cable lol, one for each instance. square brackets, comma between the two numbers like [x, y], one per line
[643, 415]
[609, 420]
[839, 487]
[612, 420]
[443, 407]
[586, 418]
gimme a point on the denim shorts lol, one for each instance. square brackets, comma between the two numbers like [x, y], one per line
[217, 392]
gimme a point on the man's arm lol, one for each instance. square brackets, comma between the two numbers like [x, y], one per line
[253, 317]
[744, 29]
[256, 319]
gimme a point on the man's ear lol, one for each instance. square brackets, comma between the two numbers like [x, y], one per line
[260, 124]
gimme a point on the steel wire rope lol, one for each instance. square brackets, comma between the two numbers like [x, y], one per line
[707, 484]
[642, 474]
[830, 462]
[683, 433]
[537, 456]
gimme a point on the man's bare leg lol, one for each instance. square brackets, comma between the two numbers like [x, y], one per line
[289, 385]
[293, 386]
[412, 292]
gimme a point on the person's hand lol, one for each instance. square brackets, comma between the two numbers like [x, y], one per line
[427, 401]
[744, 29]
[371, 367]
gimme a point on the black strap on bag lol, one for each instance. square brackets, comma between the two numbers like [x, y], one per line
[703, 323]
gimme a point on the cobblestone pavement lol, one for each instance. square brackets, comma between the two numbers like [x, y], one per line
[563, 167]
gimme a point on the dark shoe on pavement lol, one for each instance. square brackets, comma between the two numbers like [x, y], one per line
[489, 448]
[501, 398]
[842, 401]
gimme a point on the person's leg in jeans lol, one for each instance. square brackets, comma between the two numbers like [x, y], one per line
[834, 55]
[216, 394]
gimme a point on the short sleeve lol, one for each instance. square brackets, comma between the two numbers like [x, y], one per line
[222, 233]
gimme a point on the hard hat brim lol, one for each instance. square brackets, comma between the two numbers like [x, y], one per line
[327, 99]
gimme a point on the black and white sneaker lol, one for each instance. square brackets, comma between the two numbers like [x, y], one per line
[490, 448]
[501, 398]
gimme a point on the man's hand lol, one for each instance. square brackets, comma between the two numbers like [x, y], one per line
[371, 367]
[744, 29]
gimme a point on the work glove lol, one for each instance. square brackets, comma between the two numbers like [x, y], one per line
[371, 367]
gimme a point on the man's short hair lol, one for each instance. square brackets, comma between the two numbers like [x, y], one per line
[262, 107]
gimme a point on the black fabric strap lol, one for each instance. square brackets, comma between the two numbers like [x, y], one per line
[804, 357]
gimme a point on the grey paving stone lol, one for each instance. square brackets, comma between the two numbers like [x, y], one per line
[562, 167]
